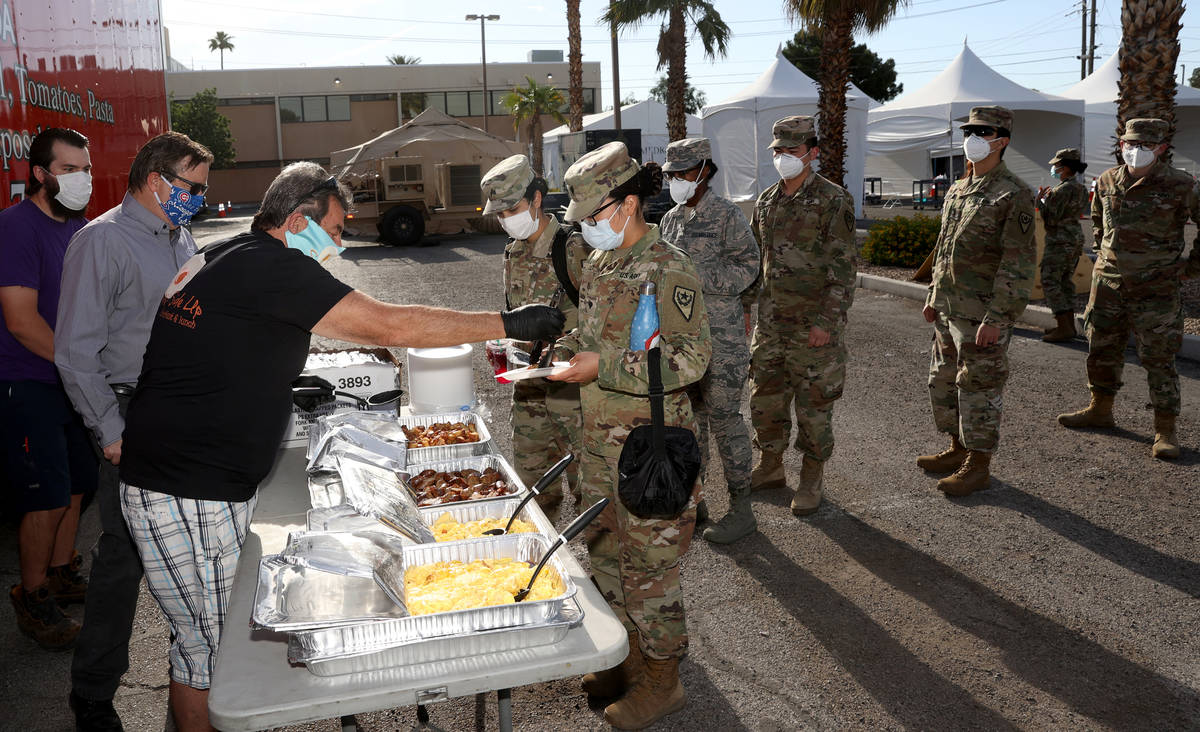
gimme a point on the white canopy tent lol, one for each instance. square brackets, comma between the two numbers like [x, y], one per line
[904, 136]
[740, 130]
[1099, 93]
[649, 116]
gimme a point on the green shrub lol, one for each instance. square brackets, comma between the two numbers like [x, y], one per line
[902, 241]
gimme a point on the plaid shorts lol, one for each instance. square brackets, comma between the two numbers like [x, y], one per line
[189, 549]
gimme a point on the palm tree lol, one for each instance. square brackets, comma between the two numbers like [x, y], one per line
[838, 21]
[528, 104]
[575, 60]
[672, 43]
[1149, 50]
[222, 43]
[400, 59]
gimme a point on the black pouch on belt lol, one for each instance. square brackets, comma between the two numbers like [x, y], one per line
[658, 464]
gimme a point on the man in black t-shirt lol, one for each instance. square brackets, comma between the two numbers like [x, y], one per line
[214, 395]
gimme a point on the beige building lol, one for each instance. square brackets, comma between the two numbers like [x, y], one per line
[278, 116]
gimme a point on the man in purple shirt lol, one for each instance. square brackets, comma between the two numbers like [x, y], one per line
[45, 447]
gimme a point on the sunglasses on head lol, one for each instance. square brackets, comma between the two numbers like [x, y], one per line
[196, 189]
[979, 131]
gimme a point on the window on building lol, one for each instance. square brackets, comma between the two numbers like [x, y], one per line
[338, 108]
[457, 104]
[314, 109]
[497, 107]
[290, 109]
[476, 103]
[589, 101]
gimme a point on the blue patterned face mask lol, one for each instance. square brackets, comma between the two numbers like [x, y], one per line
[180, 206]
[314, 241]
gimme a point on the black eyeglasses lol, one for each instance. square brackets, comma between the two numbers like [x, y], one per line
[1143, 145]
[979, 131]
[196, 189]
[590, 219]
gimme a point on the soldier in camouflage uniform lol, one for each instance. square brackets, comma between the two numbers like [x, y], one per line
[1138, 214]
[1061, 208]
[805, 228]
[635, 561]
[715, 234]
[545, 415]
[982, 278]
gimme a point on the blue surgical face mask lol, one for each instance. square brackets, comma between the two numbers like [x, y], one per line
[180, 206]
[1054, 173]
[602, 236]
[314, 241]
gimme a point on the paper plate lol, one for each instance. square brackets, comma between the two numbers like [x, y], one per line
[521, 374]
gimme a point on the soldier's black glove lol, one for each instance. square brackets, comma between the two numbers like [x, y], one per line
[533, 322]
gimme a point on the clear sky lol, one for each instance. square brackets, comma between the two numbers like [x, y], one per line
[1033, 42]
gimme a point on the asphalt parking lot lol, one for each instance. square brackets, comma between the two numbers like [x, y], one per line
[1066, 596]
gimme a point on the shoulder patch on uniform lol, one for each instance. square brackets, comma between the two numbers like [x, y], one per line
[684, 299]
[849, 220]
[1025, 219]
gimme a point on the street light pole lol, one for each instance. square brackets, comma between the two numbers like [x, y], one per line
[487, 103]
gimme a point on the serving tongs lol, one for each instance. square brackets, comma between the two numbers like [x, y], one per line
[568, 533]
[550, 476]
[539, 352]
[310, 392]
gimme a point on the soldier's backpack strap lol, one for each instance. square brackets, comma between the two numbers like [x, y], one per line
[558, 255]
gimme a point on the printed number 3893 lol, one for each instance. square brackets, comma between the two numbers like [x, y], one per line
[354, 382]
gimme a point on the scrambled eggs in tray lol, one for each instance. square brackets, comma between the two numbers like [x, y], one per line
[457, 585]
[446, 528]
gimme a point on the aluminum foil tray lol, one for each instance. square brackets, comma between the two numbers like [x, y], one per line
[441, 649]
[480, 463]
[345, 518]
[352, 553]
[325, 490]
[291, 597]
[501, 508]
[447, 452]
[367, 637]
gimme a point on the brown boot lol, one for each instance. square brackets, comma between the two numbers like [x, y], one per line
[768, 474]
[1064, 331]
[946, 461]
[67, 585]
[613, 682]
[1098, 413]
[971, 477]
[656, 694]
[1166, 446]
[40, 618]
[808, 496]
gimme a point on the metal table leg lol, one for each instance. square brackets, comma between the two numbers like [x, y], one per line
[504, 704]
[349, 723]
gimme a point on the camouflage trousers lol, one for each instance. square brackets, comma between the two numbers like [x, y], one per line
[546, 425]
[1156, 320]
[784, 372]
[966, 382]
[717, 404]
[635, 562]
[1059, 261]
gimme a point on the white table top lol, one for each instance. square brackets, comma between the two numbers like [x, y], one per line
[254, 687]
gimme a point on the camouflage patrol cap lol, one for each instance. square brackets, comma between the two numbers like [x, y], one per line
[1145, 129]
[687, 153]
[593, 176]
[504, 185]
[990, 117]
[1067, 154]
[792, 131]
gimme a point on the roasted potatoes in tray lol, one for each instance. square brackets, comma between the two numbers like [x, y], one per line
[432, 487]
[440, 433]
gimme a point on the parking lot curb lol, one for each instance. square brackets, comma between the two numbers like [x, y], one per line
[1036, 315]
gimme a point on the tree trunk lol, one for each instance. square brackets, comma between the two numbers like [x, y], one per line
[1149, 50]
[535, 136]
[838, 40]
[575, 59]
[676, 48]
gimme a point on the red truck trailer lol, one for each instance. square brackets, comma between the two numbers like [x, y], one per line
[95, 66]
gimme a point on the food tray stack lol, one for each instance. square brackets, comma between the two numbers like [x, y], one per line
[448, 452]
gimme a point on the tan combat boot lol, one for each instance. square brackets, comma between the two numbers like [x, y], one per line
[946, 461]
[655, 695]
[613, 682]
[971, 477]
[1165, 444]
[1098, 413]
[768, 474]
[808, 496]
[1064, 331]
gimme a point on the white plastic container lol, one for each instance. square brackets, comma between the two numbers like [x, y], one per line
[440, 379]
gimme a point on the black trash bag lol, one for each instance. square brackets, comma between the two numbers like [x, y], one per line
[658, 465]
[310, 392]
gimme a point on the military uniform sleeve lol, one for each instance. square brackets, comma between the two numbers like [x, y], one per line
[567, 345]
[840, 267]
[684, 340]
[1052, 206]
[931, 293]
[1192, 269]
[577, 251]
[750, 294]
[1097, 219]
[1013, 282]
[743, 262]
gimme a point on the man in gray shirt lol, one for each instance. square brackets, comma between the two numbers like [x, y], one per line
[114, 276]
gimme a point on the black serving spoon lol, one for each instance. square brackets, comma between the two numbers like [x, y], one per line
[551, 475]
[568, 533]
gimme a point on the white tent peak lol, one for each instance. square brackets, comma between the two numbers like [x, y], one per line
[783, 84]
[1101, 86]
[648, 115]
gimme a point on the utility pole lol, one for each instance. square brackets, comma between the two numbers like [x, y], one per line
[487, 103]
[1092, 43]
[616, 71]
[1083, 49]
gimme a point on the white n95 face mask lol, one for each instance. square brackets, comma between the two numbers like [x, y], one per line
[1137, 158]
[682, 190]
[74, 189]
[976, 148]
[520, 226]
[788, 166]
